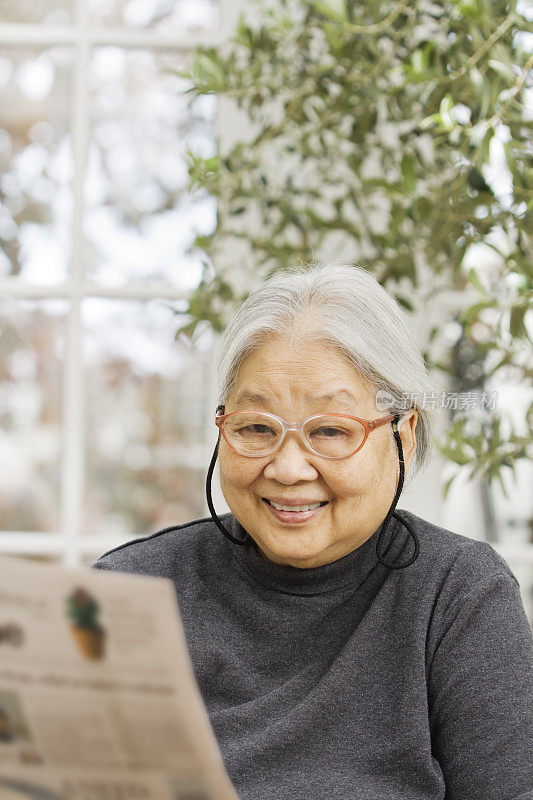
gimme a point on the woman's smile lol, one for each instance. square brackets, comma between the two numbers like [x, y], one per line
[294, 512]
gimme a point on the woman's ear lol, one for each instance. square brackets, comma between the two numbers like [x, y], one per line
[407, 430]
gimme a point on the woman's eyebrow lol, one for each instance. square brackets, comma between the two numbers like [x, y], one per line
[251, 397]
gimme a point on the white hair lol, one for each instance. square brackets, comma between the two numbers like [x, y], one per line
[346, 308]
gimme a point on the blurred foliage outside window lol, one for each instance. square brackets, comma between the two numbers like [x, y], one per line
[397, 134]
[31, 342]
[146, 417]
[144, 395]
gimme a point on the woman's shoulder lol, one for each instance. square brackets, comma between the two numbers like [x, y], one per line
[453, 569]
[160, 552]
[451, 551]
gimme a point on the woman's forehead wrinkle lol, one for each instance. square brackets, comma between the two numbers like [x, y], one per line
[331, 397]
[344, 396]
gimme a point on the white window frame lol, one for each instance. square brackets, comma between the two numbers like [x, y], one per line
[69, 543]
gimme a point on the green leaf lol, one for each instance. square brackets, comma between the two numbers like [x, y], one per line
[404, 303]
[333, 34]
[448, 486]
[335, 9]
[202, 241]
[503, 70]
[510, 157]
[477, 181]
[446, 105]
[477, 81]
[473, 277]
[208, 71]
[408, 173]
[517, 325]
[417, 61]
[471, 313]
[428, 122]
[503, 487]
[483, 153]
[469, 8]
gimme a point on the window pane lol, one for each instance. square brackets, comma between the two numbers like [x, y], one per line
[163, 15]
[145, 393]
[51, 12]
[35, 164]
[140, 219]
[31, 343]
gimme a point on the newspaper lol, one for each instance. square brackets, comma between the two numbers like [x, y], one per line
[98, 699]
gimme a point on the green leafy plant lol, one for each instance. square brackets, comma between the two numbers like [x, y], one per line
[396, 134]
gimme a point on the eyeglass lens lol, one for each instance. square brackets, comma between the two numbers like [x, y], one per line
[256, 434]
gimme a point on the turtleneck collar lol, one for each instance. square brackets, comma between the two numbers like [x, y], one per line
[348, 571]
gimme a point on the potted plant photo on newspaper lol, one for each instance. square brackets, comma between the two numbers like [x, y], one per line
[83, 611]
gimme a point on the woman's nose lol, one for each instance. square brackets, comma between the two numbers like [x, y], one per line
[290, 463]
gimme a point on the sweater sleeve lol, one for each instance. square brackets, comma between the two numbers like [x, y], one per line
[480, 689]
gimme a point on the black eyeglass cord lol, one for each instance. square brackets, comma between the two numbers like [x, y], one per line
[392, 512]
[209, 499]
[380, 542]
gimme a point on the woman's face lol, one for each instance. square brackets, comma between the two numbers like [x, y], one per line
[295, 382]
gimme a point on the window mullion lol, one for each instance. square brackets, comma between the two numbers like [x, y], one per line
[73, 449]
[27, 34]
[14, 288]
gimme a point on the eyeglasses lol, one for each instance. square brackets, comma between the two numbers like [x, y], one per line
[257, 434]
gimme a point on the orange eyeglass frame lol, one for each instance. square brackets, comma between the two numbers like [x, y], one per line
[369, 425]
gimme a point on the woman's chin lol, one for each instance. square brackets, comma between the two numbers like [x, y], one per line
[302, 554]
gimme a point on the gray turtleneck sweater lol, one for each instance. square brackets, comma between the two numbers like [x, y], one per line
[351, 681]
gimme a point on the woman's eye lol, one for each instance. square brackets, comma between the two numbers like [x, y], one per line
[329, 433]
[261, 429]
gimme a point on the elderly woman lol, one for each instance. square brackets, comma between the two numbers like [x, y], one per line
[343, 650]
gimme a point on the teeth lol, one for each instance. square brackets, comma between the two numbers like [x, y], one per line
[295, 508]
